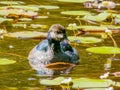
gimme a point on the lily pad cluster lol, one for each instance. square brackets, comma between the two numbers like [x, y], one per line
[20, 14]
[81, 83]
[100, 20]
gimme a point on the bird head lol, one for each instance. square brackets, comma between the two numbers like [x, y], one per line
[56, 33]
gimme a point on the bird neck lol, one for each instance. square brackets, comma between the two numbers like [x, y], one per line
[55, 45]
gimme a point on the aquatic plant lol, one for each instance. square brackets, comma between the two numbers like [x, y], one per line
[26, 34]
[81, 83]
[75, 1]
[4, 61]
[84, 40]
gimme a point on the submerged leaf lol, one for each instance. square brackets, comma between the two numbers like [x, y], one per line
[84, 39]
[104, 50]
[6, 61]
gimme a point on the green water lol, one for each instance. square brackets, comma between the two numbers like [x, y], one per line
[20, 76]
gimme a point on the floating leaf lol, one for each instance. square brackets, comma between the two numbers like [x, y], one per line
[19, 25]
[59, 66]
[26, 34]
[76, 13]
[24, 19]
[97, 18]
[25, 7]
[48, 7]
[5, 20]
[89, 28]
[84, 39]
[11, 11]
[11, 2]
[96, 89]
[7, 12]
[104, 50]
[6, 61]
[56, 81]
[86, 83]
[91, 83]
[75, 1]
[118, 84]
[93, 29]
[2, 31]
[41, 17]
[38, 26]
[112, 27]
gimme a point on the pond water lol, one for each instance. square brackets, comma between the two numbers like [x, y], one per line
[20, 76]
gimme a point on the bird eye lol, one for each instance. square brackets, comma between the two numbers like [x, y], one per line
[59, 32]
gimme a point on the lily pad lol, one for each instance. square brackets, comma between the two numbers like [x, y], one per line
[26, 34]
[24, 19]
[11, 11]
[4, 19]
[49, 7]
[41, 17]
[91, 83]
[38, 26]
[25, 7]
[6, 61]
[104, 50]
[2, 31]
[88, 28]
[56, 81]
[12, 2]
[96, 29]
[112, 27]
[76, 13]
[84, 39]
[75, 1]
[87, 83]
[97, 18]
[6, 12]
[20, 25]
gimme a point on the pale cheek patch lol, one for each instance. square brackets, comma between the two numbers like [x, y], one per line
[56, 36]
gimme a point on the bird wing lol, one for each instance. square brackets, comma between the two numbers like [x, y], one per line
[42, 45]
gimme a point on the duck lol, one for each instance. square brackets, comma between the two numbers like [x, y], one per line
[55, 48]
